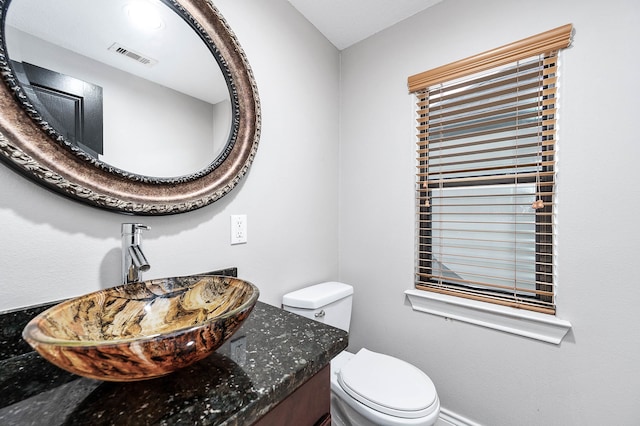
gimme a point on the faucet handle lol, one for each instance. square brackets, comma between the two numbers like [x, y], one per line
[133, 228]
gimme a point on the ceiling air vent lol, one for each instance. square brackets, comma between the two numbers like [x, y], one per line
[144, 60]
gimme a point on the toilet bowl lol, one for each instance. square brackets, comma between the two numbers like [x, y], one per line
[367, 388]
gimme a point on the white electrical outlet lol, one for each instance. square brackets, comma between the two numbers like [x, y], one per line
[238, 229]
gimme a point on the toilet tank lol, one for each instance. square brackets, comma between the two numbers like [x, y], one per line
[328, 302]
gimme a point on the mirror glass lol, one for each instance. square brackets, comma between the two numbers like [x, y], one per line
[145, 96]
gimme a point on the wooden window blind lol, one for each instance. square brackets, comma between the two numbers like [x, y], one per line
[486, 171]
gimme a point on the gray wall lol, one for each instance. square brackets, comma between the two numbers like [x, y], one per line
[54, 248]
[593, 377]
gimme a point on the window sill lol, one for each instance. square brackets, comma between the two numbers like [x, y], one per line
[534, 325]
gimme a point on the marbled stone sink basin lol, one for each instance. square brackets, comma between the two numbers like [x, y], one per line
[143, 330]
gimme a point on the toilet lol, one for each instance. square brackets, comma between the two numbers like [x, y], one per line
[367, 388]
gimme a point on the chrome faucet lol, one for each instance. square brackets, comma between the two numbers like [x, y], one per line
[133, 260]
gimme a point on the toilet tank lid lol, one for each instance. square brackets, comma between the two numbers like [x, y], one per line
[318, 295]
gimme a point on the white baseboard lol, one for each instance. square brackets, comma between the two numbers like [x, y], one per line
[449, 418]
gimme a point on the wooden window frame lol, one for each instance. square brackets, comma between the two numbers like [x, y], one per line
[547, 43]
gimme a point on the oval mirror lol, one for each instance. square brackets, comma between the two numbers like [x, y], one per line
[154, 117]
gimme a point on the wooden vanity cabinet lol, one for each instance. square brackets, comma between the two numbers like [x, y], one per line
[309, 405]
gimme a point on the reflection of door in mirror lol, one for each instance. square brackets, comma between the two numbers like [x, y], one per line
[70, 105]
[153, 125]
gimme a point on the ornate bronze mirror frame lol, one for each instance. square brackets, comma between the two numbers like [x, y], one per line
[29, 145]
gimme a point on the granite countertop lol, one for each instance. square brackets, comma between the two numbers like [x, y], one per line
[274, 352]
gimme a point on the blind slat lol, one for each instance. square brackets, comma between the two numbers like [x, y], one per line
[436, 129]
[532, 108]
[490, 298]
[531, 156]
[515, 178]
[496, 286]
[524, 136]
[481, 133]
[439, 114]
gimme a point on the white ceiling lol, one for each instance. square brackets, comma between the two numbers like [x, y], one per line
[345, 22]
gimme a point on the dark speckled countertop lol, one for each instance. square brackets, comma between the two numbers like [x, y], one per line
[274, 353]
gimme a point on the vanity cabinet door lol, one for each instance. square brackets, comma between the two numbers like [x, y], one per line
[309, 405]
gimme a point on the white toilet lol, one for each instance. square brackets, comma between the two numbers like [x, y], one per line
[367, 388]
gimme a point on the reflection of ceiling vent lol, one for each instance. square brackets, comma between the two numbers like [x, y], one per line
[117, 48]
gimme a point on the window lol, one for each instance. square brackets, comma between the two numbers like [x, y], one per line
[486, 171]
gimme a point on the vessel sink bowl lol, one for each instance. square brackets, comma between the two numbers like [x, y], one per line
[142, 330]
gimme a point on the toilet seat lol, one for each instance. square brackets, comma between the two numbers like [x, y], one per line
[388, 385]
